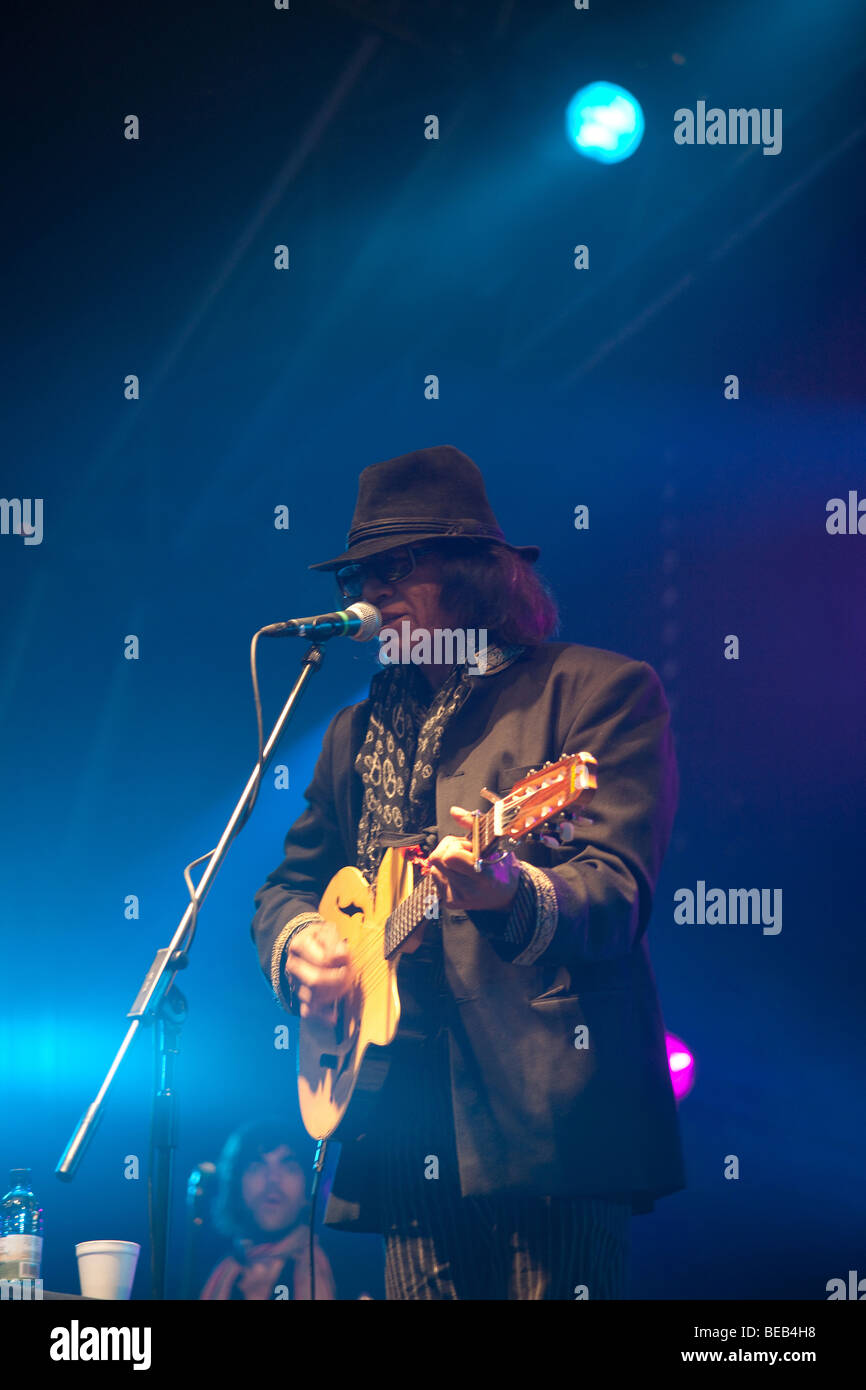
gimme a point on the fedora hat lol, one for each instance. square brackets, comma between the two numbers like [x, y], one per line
[431, 494]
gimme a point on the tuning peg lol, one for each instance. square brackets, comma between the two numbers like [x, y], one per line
[490, 795]
[549, 840]
[566, 832]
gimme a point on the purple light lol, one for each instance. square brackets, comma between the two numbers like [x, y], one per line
[681, 1064]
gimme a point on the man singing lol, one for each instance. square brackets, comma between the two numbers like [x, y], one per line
[532, 1112]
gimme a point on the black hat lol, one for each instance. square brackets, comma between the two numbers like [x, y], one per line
[431, 494]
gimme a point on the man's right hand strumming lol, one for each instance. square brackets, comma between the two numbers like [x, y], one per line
[318, 967]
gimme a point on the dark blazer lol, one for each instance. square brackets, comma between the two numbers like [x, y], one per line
[532, 1112]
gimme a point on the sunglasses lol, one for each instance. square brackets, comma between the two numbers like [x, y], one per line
[389, 568]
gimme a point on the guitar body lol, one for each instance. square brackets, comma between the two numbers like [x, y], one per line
[381, 923]
[330, 1058]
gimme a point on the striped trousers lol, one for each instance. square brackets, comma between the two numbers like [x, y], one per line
[440, 1245]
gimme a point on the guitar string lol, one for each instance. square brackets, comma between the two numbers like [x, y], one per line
[367, 959]
[400, 924]
[400, 917]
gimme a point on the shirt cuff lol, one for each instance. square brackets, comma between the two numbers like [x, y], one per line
[532, 924]
[278, 963]
[521, 919]
[524, 932]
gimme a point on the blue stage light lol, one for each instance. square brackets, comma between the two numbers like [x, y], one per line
[604, 122]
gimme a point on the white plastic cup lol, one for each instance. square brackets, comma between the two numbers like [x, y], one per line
[106, 1268]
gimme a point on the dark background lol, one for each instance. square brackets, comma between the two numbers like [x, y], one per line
[260, 388]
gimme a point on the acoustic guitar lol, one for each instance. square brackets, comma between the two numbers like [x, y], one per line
[382, 922]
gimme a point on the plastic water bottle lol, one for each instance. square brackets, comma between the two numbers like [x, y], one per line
[20, 1230]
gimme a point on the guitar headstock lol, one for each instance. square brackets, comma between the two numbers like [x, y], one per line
[547, 798]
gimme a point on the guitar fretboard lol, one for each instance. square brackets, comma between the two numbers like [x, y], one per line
[423, 903]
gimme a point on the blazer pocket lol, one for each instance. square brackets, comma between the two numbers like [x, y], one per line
[555, 1001]
[547, 1002]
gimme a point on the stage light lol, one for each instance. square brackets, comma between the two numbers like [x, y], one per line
[604, 122]
[681, 1064]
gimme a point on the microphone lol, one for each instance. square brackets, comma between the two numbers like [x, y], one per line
[360, 621]
[198, 1189]
[199, 1179]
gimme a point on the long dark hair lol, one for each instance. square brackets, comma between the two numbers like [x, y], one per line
[231, 1215]
[486, 585]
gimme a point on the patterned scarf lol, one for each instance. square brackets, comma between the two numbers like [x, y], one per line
[398, 758]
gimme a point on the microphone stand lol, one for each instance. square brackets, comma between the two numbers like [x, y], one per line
[160, 1001]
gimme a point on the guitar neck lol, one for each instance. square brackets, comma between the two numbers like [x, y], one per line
[423, 903]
